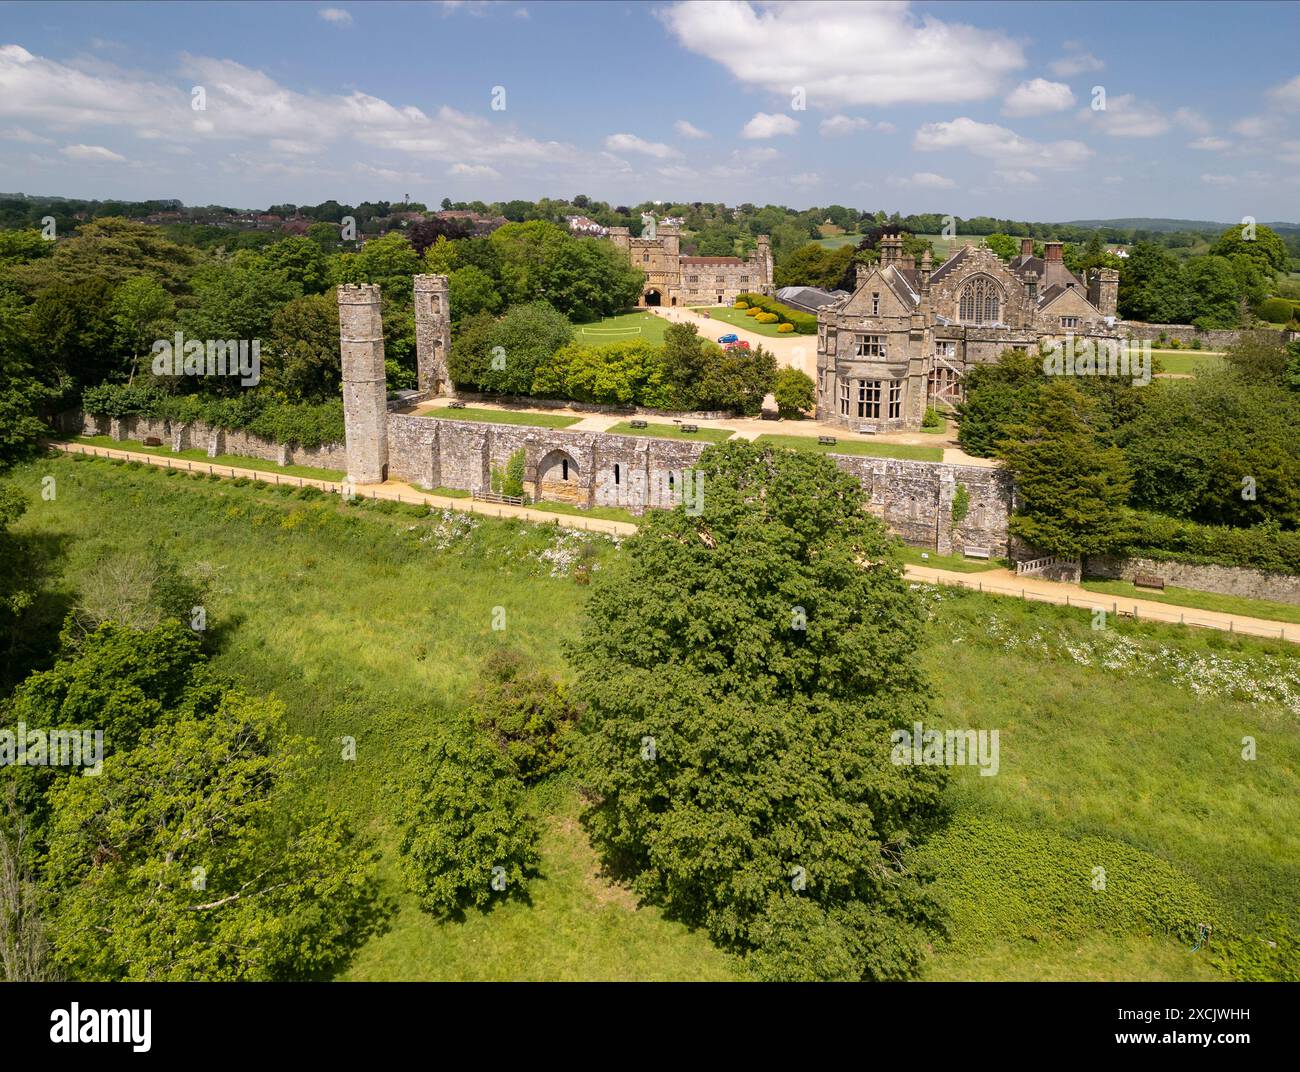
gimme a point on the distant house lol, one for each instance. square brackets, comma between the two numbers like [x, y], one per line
[479, 223]
[1119, 251]
[297, 225]
[583, 225]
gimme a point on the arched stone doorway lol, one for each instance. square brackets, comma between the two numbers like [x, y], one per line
[653, 297]
[560, 480]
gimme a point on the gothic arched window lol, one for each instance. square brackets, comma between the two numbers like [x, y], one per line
[981, 301]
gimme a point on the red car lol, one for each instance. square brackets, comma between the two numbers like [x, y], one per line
[739, 344]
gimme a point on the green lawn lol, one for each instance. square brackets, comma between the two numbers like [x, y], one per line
[1190, 597]
[671, 431]
[737, 318]
[606, 513]
[854, 446]
[197, 454]
[502, 416]
[639, 325]
[1182, 362]
[954, 563]
[835, 241]
[372, 621]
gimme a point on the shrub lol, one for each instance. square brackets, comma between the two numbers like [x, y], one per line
[804, 323]
[1264, 546]
[931, 418]
[753, 311]
[960, 505]
[1275, 310]
[465, 820]
[785, 328]
[741, 305]
[795, 392]
[527, 713]
[767, 318]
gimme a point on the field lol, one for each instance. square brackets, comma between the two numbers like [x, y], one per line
[1187, 597]
[737, 318]
[1118, 749]
[1183, 362]
[646, 327]
[502, 416]
[671, 431]
[854, 446]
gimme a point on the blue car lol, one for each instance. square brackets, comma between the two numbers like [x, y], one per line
[733, 337]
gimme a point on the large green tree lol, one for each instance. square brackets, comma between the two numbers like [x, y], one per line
[744, 667]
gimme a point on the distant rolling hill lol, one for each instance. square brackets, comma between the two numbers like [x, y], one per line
[1148, 223]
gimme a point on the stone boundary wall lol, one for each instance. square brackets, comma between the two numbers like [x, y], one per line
[187, 435]
[593, 407]
[1186, 334]
[913, 498]
[1223, 580]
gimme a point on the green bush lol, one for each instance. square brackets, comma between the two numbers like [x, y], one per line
[527, 713]
[785, 327]
[464, 819]
[753, 311]
[1263, 546]
[931, 418]
[1276, 310]
[767, 318]
[741, 305]
[795, 392]
[804, 323]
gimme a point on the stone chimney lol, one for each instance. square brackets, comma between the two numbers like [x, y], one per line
[1055, 272]
[927, 263]
[891, 250]
[1026, 247]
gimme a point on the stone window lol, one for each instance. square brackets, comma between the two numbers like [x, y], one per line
[868, 398]
[946, 348]
[896, 398]
[981, 301]
[645, 257]
[744, 279]
[720, 279]
[617, 475]
[844, 397]
[1069, 321]
[692, 279]
[869, 346]
[875, 304]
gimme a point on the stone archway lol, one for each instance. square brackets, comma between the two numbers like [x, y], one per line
[653, 297]
[559, 479]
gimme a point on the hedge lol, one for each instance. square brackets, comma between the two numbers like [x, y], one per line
[305, 423]
[1263, 546]
[804, 323]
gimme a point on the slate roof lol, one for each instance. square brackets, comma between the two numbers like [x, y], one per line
[809, 298]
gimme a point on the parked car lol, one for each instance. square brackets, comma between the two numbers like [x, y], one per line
[741, 345]
[733, 337]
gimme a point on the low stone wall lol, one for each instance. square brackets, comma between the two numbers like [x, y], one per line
[1186, 334]
[187, 435]
[913, 498]
[593, 407]
[1223, 580]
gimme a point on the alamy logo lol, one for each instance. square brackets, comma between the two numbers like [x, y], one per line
[1098, 357]
[945, 748]
[75, 1024]
[660, 487]
[23, 747]
[180, 356]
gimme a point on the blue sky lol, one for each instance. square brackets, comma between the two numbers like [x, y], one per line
[966, 108]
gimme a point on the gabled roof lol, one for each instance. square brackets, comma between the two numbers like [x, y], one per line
[950, 264]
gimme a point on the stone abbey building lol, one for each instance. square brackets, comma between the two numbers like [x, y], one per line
[671, 279]
[904, 339]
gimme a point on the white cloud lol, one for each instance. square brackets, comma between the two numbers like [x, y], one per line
[337, 15]
[998, 143]
[1127, 117]
[687, 129]
[20, 134]
[296, 148]
[630, 143]
[839, 125]
[1038, 96]
[92, 153]
[1255, 126]
[1210, 144]
[1219, 180]
[847, 54]
[770, 125]
[805, 179]
[1016, 178]
[1287, 95]
[473, 171]
[1190, 119]
[927, 180]
[1076, 61]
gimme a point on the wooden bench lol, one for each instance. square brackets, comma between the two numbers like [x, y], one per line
[455, 405]
[866, 430]
[976, 552]
[639, 424]
[152, 441]
[1149, 580]
[827, 440]
[690, 427]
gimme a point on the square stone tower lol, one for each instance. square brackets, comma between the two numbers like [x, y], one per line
[432, 333]
[365, 389]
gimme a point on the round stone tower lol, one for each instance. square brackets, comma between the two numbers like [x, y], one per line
[365, 390]
[432, 333]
